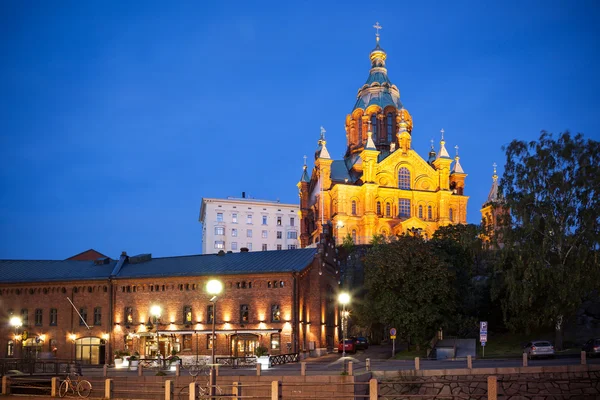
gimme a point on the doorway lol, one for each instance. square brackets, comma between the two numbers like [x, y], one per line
[243, 345]
[90, 350]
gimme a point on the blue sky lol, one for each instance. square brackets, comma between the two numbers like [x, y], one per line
[117, 119]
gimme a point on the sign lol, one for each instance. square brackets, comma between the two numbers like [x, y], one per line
[393, 337]
[483, 337]
[483, 327]
[393, 332]
[482, 344]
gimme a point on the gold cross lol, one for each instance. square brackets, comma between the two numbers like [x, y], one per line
[377, 28]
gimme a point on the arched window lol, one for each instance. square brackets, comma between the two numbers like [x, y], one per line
[404, 178]
[378, 208]
[451, 214]
[374, 127]
[354, 236]
[390, 127]
[360, 135]
[388, 210]
[353, 207]
[429, 213]
[404, 208]
[421, 212]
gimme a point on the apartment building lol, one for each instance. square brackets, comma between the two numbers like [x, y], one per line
[240, 222]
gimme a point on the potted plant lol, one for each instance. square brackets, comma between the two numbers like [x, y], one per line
[125, 354]
[118, 359]
[262, 356]
[134, 360]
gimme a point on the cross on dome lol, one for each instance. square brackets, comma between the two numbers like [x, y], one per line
[442, 130]
[494, 165]
[456, 147]
[323, 133]
[377, 28]
[304, 160]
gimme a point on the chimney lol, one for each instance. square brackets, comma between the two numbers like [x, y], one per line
[243, 195]
[123, 253]
[244, 250]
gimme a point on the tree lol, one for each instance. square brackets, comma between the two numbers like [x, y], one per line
[551, 235]
[410, 287]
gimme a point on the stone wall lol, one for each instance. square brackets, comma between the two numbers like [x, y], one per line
[534, 383]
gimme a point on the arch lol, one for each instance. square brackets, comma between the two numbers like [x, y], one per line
[404, 178]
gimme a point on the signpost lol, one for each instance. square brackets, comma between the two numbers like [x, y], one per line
[483, 327]
[393, 337]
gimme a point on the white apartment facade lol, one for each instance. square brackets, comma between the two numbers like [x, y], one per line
[258, 225]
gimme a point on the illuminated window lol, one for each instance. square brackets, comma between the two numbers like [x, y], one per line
[421, 212]
[275, 341]
[209, 341]
[209, 313]
[249, 219]
[390, 127]
[404, 178]
[404, 208]
[278, 221]
[219, 244]
[187, 342]
[128, 315]
[264, 234]
[275, 313]
[353, 207]
[187, 315]
[234, 218]
[354, 236]
[244, 313]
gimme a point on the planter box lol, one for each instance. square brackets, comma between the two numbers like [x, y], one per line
[265, 361]
[118, 362]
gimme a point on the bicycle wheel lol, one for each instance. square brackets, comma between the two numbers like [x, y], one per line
[204, 369]
[84, 388]
[63, 388]
[184, 393]
[194, 369]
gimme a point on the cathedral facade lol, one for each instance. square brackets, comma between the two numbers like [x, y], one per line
[381, 186]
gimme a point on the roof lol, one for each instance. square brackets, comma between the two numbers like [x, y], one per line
[227, 264]
[339, 171]
[87, 255]
[13, 271]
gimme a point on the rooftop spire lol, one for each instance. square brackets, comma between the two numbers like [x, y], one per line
[457, 167]
[493, 195]
[377, 28]
[432, 154]
[304, 177]
[443, 152]
[322, 150]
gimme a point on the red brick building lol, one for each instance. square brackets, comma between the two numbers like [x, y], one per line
[88, 255]
[283, 300]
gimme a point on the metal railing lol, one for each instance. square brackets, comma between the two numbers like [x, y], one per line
[284, 358]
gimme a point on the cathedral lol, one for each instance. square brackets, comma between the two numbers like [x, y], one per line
[381, 186]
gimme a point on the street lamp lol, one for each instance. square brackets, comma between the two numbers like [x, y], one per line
[343, 299]
[16, 323]
[155, 312]
[214, 287]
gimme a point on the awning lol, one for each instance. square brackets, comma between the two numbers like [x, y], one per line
[218, 331]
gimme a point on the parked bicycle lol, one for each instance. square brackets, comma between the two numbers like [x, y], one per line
[80, 386]
[202, 391]
[198, 367]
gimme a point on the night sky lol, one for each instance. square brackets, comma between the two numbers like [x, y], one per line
[118, 117]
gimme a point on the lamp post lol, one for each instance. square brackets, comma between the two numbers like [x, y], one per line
[214, 288]
[155, 312]
[16, 323]
[73, 338]
[343, 299]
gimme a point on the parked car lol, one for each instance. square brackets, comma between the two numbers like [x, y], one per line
[362, 343]
[592, 347]
[539, 348]
[348, 344]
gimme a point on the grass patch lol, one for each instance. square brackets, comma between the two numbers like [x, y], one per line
[510, 345]
[410, 354]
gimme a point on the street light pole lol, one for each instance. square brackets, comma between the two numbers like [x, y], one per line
[214, 287]
[16, 323]
[344, 298]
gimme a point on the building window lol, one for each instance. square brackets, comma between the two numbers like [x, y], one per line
[209, 341]
[25, 317]
[38, 317]
[264, 219]
[219, 230]
[388, 210]
[275, 341]
[354, 236]
[10, 348]
[249, 219]
[292, 221]
[244, 313]
[275, 313]
[404, 178]
[278, 247]
[233, 245]
[264, 247]
[429, 213]
[234, 232]
[249, 246]
[451, 214]
[279, 235]
[219, 244]
[97, 316]
[360, 135]
[187, 342]
[278, 221]
[249, 233]
[83, 318]
[292, 235]
[291, 246]
[219, 217]
[421, 212]
[378, 208]
[53, 316]
[390, 127]
[187, 315]
[209, 313]
[353, 207]
[374, 127]
[128, 315]
[264, 234]
[234, 218]
[404, 208]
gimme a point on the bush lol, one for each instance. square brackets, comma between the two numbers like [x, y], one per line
[261, 351]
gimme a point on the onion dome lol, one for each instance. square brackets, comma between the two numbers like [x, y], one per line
[432, 154]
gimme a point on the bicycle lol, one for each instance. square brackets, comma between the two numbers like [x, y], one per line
[82, 386]
[198, 367]
[203, 391]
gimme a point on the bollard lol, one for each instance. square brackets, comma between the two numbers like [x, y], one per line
[217, 369]
[492, 388]
[177, 370]
[417, 363]
[469, 362]
[373, 388]
[212, 380]
[350, 368]
[583, 356]
[5, 385]
[275, 390]
[55, 382]
[168, 389]
[193, 390]
[524, 359]
[258, 369]
[140, 370]
[108, 385]
[105, 371]
[368, 364]
[236, 390]
[303, 368]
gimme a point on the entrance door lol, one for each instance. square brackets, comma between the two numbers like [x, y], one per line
[87, 350]
[243, 345]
